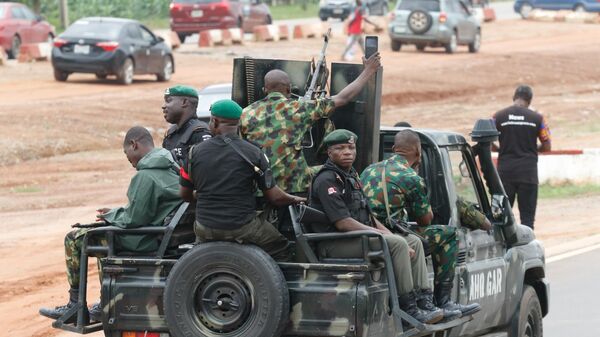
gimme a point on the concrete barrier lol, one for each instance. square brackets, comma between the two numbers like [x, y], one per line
[305, 31]
[577, 166]
[284, 32]
[236, 35]
[3, 57]
[214, 37]
[564, 16]
[489, 14]
[265, 33]
[31, 52]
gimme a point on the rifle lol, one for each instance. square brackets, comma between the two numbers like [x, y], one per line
[403, 228]
[90, 225]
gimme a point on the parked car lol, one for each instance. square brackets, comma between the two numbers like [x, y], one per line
[341, 9]
[191, 16]
[434, 23]
[209, 95]
[19, 25]
[111, 46]
[524, 7]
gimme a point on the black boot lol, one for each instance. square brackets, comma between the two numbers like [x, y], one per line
[425, 302]
[57, 312]
[96, 312]
[443, 292]
[408, 303]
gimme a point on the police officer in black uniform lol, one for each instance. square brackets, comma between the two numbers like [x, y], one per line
[337, 191]
[224, 184]
[180, 109]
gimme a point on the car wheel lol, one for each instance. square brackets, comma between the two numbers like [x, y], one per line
[60, 76]
[420, 47]
[167, 70]
[525, 10]
[452, 45]
[579, 8]
[323, 18]
[527, 320]
[396, 45]
[15, 47]
[419, 21]
[269, 20]
[226, 289]
[240, 23]
[125, 74]
[101, 76]
[182, 37]
[476, 44]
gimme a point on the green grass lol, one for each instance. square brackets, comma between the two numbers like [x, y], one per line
[295, 11]
[26, 189]
[156, 23]
[567, 190]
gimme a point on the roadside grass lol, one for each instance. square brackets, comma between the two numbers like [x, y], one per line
[295, 11]
[567, 190]
[156, 22]
[26, 189]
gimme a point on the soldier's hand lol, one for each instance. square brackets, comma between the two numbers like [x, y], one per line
[103, 210]
[372, 63]
[299, 200]
[411, 253]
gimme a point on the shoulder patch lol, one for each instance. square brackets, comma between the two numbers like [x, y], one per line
[331, 190]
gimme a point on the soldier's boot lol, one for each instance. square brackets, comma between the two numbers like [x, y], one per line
[443, 293]
[96, 312]
[425, 302]
[408, 303]
[57, 312]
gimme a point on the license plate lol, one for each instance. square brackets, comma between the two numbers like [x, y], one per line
[399, 30]
[338, 11]
[81, 49]
[197, 13]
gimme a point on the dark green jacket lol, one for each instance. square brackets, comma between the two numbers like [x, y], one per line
[153, 193]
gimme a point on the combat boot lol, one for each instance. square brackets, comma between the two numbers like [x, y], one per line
[57, 312]
[408, 303]
[425, 302]
[443, 292]
[96, 312]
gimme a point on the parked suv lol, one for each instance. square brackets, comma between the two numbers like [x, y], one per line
[434, 23]
[191, 16]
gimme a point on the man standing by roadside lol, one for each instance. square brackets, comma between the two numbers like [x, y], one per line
[354, 25]
[520, 128]
[179, 109]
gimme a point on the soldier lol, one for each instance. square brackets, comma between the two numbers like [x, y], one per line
[152, 194]
[278, 123]
[404, 191]
[179, 109]
[337, 191]
[224, 185]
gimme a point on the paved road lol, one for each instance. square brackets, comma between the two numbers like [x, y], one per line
[574, 297]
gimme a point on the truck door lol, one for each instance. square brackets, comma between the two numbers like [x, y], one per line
[481, 268]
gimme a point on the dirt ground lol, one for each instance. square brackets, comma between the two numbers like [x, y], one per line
[60, 144]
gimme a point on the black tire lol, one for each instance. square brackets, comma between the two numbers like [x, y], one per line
[421, 47]
[269, 20]
[396, 45]
[323, 18]
[579, 8]
[60, 76]
[527, 320]
[15, 48]
[182, 37]
[245, 289]
[476, 44]
[101, 76]
[453, 44]
[240, 23]
[166, 71]
[125, 73]
[419, 21]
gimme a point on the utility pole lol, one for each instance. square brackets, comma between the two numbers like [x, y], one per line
[64, 13]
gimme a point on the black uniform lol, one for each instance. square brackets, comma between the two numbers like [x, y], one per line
[225, 184]
[178, 140]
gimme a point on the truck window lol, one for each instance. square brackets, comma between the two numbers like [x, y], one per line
[461, 176]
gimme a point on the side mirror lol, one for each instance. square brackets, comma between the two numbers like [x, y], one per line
[159, 39]
[39, 18]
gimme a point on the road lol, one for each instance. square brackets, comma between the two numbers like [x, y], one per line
[574, 309]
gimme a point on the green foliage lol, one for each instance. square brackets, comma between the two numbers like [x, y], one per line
[567, 190]
[295, 11]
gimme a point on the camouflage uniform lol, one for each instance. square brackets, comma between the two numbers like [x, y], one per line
[73, 246]
[278, 124]
[407, 192]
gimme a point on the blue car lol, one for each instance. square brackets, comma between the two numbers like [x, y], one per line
[524, 7]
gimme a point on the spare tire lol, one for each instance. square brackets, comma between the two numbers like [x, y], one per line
[226, 289]
[419, 21]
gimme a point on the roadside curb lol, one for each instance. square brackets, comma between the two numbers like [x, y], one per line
[566, 249]
[564, 16]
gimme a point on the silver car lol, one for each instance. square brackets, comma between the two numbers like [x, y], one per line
[434, 23]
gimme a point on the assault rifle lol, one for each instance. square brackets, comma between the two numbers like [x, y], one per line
[317, 80]
[90, 225]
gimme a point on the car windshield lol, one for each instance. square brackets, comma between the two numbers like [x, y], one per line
[94, 30]
[205, 101]
[428, 5]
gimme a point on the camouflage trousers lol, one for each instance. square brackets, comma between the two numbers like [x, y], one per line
[443, 244]
[73, 248]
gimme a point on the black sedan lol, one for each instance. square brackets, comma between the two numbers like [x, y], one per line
[111, 46]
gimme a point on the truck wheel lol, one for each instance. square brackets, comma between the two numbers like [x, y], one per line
[396, 45]
[222, 288]
[527, 321]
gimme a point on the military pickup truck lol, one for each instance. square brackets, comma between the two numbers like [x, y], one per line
[232, 290]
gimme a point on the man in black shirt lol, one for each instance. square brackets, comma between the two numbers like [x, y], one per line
[180, 109]
[224, 184]
[520, 128]
[337, 191]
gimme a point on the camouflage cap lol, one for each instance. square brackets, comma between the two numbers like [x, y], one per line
[340, 136]
[226, 108]
[181, 90]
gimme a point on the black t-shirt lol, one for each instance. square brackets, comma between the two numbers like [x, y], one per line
[224, 182]
[519, 130]
[193, 129]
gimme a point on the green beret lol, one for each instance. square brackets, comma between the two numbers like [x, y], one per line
[340, 136]
[181, 90]
[226, 108]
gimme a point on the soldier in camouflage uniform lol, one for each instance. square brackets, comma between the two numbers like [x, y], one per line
[406, 193]
[278, 124]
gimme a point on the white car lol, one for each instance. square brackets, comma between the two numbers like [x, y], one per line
[208, 95]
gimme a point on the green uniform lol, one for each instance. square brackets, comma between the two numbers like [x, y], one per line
[407, 192]
[278, 124]
[153, 193]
